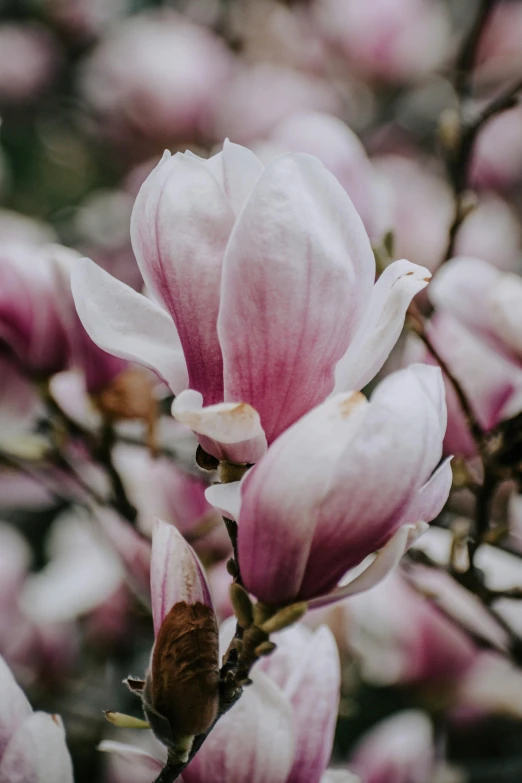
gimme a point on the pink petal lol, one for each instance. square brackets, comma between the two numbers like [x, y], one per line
[237, 170]
[37, 752]
[180, 226]
[396, 450]
[382, 324]
[430, 499]
[261, 725]
[297, 244]
[127, 324]
[281, 495]
[313, 690]
[228, 430]
[506, 311]
[14, 707]
[176, 573]
[462, 288]
[310, 510]
[383, 564]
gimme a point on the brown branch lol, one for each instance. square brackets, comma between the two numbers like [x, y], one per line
[466, 58]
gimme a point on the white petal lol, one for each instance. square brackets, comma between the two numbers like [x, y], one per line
[237, 170]
[263, 721]
[339, 776]
[176, 573]
[127, 324]
[137, 757]
[234, 426]
[14, 707]
[382, 324]
[226, 498]
[506, 311]
[37, 753]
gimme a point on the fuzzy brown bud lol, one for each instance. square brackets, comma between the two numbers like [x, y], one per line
[180, 698]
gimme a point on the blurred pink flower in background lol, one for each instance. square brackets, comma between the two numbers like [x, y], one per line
[85, 19]
[497, 156]
[339, 149]
[230, 243]
[29, 59]
[492, 232]
[399, 749]
[32, 744]
[156, 76]
[393, 40]
[499, 55]
[262, 94]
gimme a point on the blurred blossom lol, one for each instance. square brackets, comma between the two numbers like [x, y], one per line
[476, 330]
[32, 744]
[401, 638]
[491, 381]
[497, 155]
[159, 488]
[31, 323]
[421, 209]
[19, 403]
[399, 749]
[492, 232]
[392, 40]
[85, 18]
[330, 140]
[16, 228]
[210, 235]
[499, 55]
[29, 57]
[300, 527]
[262, 94]
[156, 76]
[81, 574]
[271, 32]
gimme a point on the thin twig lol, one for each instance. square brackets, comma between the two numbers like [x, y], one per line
[466, 58]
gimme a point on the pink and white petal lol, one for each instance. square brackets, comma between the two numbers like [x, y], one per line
[138, 760]
[127, 324]
[396, 449]
[176, 573]
[14, 707]
[281, 495]
[297, 244]
[462, 287]
[382, 325]
[489, 379]
[180, 226]
[237, 170]
[313, 691]
[227, 430]
[430, 499]
[262, 723]
[383, 564]
[226, 498]
[37, 752]
[506, 311]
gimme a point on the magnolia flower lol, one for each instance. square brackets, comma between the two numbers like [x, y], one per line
[32, 744]
[263, 281]
[349, 478]
[399, 749]
[281, 729]
[477, 332]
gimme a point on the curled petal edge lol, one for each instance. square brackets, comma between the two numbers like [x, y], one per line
[385, 561]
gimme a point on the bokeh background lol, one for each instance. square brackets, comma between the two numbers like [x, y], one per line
[91, 93]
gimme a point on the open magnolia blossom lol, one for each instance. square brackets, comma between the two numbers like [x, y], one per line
[263, 296]
[282, 728]
[32, 744]
[349, 478]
